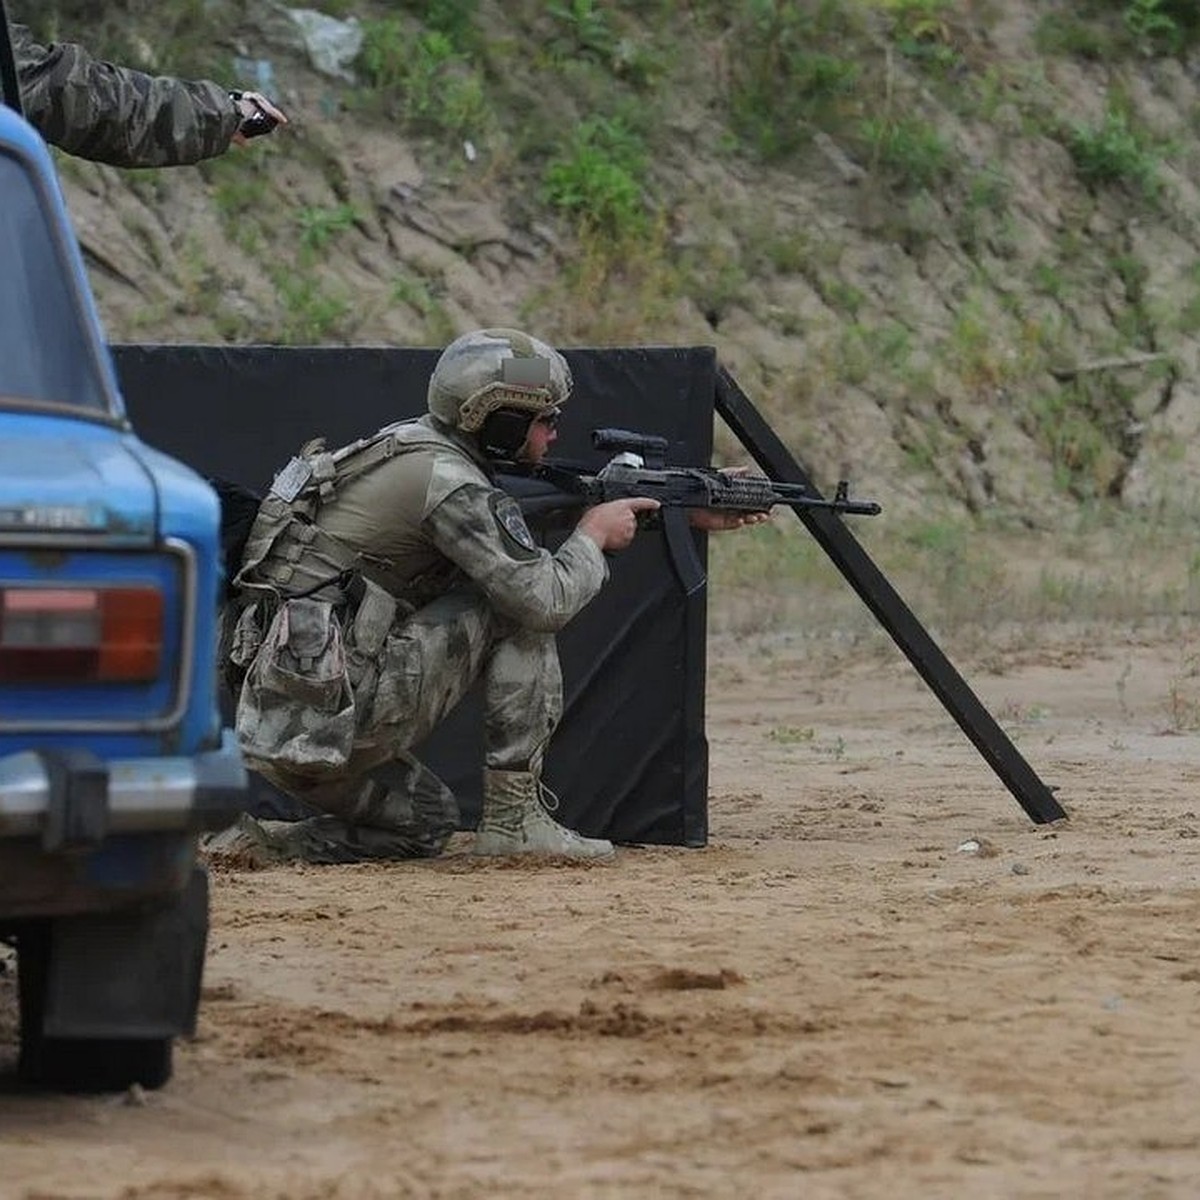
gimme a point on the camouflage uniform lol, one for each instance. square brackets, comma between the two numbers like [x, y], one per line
[379, 582]
[115, 115]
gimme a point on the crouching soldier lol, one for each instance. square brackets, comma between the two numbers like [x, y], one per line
[379, 582]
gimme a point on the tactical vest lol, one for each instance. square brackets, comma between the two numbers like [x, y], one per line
[289, 555]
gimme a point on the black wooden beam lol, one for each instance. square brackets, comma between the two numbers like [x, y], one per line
[856, 565]
[9, 83]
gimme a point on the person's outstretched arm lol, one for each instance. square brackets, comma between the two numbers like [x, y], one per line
[120, 116]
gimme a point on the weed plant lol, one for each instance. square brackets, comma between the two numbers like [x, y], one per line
[424, 297]
[597, 179]
[584, 29]
[789, 74]
[310, 314]
[921, 32]
[1115, 151]
[423, 77]
[909, 151]
[1162, 26]
[318, 226]
[1111, 30]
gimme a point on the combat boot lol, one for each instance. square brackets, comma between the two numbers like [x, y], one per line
[516, 820]
[249, 842]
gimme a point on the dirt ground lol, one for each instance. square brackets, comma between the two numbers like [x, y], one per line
[880, 980]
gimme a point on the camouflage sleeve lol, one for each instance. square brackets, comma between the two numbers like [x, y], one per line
[116, 115]
[481, 529]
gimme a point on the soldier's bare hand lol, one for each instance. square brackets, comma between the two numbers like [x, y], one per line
[612, 526]
[717, 520]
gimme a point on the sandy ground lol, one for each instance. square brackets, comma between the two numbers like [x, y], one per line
[880, 980]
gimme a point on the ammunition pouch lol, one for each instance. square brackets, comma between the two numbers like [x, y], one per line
[369, 616]
[309, 672]
[296, 707]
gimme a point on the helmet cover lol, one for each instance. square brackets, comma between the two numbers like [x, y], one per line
[491, 369]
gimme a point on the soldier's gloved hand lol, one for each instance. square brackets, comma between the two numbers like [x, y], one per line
[612, 526]
[258, 115]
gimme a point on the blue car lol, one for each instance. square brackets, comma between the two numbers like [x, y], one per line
[112, 755]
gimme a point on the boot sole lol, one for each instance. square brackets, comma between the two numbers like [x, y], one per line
[547, 857]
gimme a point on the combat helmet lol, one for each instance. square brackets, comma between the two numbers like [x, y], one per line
[497, 373]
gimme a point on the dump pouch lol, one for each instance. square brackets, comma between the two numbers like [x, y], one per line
[296, 706]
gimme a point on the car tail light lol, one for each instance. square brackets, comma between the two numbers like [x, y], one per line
[79, 634]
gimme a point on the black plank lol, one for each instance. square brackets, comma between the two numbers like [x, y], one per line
[9, 83]
[872, 586]
[629, 759]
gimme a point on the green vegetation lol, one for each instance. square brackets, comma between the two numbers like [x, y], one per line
[1108, 30]
[174, 37]
[423, 77]
[1097, 566]
[585, 29]
[791, 735]
[882, 204]
[909, 150]
[1064, 33]
[789, 74]
[1082, 456]
[319, 225]
[598, 180]
[310, 313]
[454, 18]
[1162, 26]
[868, 349]
[922, 32]
[422, 296]
[1116, 151]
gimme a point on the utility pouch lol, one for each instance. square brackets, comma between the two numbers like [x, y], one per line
[372, 619]
[374, 610]
[296, 706]
[247, 635]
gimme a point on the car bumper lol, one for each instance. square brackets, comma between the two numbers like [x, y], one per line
[73, 800]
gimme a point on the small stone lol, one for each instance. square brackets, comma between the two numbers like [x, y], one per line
[979, 846]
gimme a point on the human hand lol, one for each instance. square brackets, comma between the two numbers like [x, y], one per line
[258, 116]
[718, 520]
[612, 525]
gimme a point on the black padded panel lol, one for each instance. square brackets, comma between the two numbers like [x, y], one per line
[629, 760]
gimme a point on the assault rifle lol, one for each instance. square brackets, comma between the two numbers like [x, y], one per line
[638, 468]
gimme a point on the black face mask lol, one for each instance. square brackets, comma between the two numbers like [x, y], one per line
[504, 432]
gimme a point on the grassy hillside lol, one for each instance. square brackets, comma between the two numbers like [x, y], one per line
[950, 247]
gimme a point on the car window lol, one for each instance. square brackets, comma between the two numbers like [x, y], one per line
[46, 352]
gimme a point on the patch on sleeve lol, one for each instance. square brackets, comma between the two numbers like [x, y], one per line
[513, 529]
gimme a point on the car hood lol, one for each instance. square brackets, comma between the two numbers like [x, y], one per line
[90, 484]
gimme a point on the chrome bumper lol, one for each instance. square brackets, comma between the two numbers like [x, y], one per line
[72, 799]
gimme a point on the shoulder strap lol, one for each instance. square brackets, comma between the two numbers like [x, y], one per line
[315, 474]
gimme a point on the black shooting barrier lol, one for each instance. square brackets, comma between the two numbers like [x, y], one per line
[629, 760]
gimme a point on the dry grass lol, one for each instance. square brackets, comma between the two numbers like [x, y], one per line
[975, 589]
